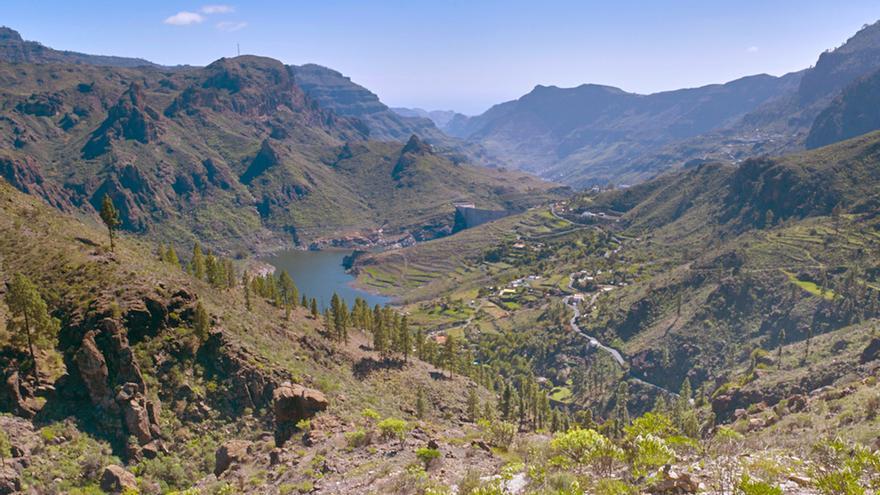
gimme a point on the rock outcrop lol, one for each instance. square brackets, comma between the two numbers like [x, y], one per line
[130, 118]
[230, 453]
[292, 403]
[116, 479]
[11, 397]
[25, 175]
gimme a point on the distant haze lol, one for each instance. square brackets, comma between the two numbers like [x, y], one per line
[460, 55]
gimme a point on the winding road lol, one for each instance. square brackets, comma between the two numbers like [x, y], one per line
[571, 303]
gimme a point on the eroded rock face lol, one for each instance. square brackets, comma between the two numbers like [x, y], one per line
[116, 479]
[106, 365]
[24, 441]
[292, 403]
[24, 174]
[229, 453]
[11, 398]
[130, 118]
[93, 369]
[871, 351]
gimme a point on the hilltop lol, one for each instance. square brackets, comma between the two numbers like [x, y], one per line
[240, 155]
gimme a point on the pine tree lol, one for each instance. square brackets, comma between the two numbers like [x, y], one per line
[201, 322]
[246, 283]
[171, 256]
[405, 338]
[314, 308]
[305, 302]
[472, 404]
[197, 264]
[779, 348]
[506, 397]
[420, 403]
[30, 316]
[449, 353]
[621, 412]
[379, 335]
[230, 273]
[110, 217]
[329, 324]
[289, 291]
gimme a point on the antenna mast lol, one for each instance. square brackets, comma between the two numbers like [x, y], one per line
[238, 48]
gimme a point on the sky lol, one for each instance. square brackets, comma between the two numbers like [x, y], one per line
[463, 55]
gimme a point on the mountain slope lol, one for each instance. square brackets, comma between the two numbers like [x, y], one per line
[15, 49]
[441, 118]
[130, 380]
[852, 113]
[235, 154]
[338, 93]
[583, 135]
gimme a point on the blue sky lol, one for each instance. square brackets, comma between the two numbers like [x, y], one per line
[464, 55]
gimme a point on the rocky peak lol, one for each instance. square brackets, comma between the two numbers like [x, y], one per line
[416, 145]
[265, 159]
[9, 34]
[130, 118]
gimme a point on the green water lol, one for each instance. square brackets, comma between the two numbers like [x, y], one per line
[319, 274]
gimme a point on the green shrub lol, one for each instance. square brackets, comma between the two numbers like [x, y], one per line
[500, 433]
[5, 446]
[659, 425]
[390, 428]
[649, 453]
[370, 415]
[587, 448]
[751, 486]
[427, 455]
[614, 487]
[358, 438]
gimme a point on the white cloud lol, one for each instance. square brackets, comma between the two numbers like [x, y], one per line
[184, 18]
[231, 26]
[217, 9]
[752, 49]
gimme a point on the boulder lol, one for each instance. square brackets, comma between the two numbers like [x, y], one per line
[92, 368]
[871, 351]
[11, 398]
[292, 403]
[229, 453]
[672, 482]
[116, 479]
[134, 411]
[10, 480]
[797, 403]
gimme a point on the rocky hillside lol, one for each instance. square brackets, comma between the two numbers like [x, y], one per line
[584, 135]
[850, 114]
[236, 154]
[441, 118]
[138, 390]
[332, 90]
[15, 49]
[596, 135]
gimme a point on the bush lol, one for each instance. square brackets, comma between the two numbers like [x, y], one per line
[427, 456]
[500, 434]
[390, 428]
[587, 448]
[358, 438]
[614, 487]
[649, 453]
[750, 486]
[650, 423]
[843, 468]
[370, 415]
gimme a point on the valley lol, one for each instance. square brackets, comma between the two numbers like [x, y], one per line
[257, 277]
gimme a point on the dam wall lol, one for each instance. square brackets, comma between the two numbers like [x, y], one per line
[467, 216]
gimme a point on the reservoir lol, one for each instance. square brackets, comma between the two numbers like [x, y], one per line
[319, 274]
